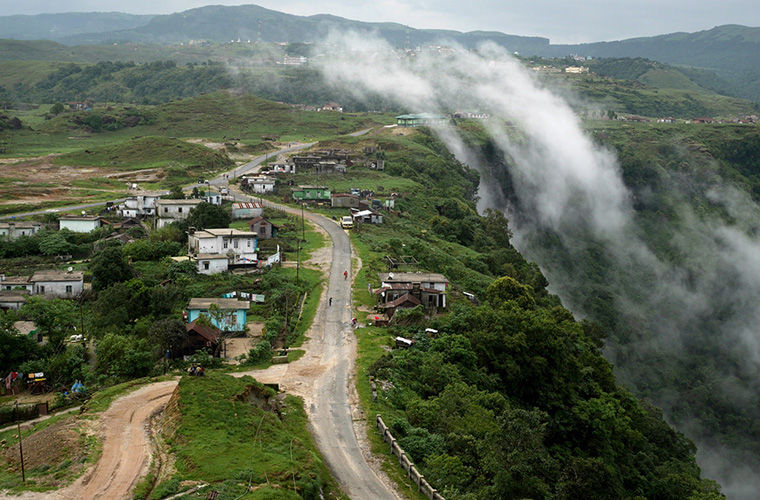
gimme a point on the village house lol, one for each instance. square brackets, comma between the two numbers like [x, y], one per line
[13, 229]
[16, 283]
[213, 197]
[408, 289]
[209, 246]
[329, 167]
[259, 185]
[140, 204]
[208, 263]
[247, 209]
[332, 106]
[63, 284]
[263, 228]
[12, 300]
[302, 162]
[344, 200]
[420, 120]
[366, 216]
[80, 105]
[169, 211]
[311, 193]
[234, 312]
[80, 223]
[200, 337]
[281, 168]
[577, 70]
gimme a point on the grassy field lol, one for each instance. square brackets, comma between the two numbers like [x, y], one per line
[246, 441]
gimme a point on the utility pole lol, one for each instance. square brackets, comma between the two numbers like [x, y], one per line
[303, 227]
[20, 447]
[298, 262]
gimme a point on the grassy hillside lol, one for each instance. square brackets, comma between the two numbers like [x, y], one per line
[151, 152]
[658, 93]
[245, 440]
[251, 117]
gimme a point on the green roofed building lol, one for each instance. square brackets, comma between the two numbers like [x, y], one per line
[420, 120]
[311, 193]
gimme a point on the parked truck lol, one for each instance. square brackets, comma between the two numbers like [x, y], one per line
[346, 222]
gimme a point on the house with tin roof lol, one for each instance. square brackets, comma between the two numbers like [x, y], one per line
[400, 289]
[234, 312]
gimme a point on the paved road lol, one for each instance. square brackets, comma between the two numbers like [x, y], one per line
[326, 390]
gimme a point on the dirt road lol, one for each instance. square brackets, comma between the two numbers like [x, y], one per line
[126, 448]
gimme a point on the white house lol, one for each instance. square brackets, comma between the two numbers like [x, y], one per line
[80, 223]
[16, 283]
[213, 197]
[140, 204]
[261, 185]
[169, 211]
[239, 247]
[12, 230]
[52, 283]
[211, 263]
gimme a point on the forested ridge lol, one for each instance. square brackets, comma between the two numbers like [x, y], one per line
[512, 397]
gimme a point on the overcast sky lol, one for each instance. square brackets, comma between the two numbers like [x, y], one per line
[563, 21]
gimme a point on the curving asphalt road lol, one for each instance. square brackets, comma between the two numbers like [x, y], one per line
[330, 409]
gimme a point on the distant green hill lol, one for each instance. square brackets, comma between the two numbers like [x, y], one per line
[59, 26]
[732, 51]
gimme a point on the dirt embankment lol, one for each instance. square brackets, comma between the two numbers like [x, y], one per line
[56, 448]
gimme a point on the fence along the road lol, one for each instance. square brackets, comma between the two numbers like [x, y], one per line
[411, 470]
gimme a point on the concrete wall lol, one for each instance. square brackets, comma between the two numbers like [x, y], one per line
[215, 266]
[411, 471]
[79, 226]
[58, 288]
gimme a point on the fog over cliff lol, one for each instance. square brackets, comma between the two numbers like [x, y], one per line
[566, 185]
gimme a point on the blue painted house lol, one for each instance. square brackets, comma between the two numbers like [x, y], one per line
[235, 311]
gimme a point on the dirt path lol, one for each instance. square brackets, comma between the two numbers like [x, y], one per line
[126, 451]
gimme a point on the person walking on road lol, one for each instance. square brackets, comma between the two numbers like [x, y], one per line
[345, 275]
[329, 302]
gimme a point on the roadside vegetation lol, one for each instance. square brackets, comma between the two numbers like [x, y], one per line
[243, 439]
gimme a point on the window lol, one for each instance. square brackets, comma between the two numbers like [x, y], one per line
[235, 243]
[42, 289]
[166, 210]
[205, 265]
[68, 289]
[249, 243]
[226, 242]
[179, 209]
